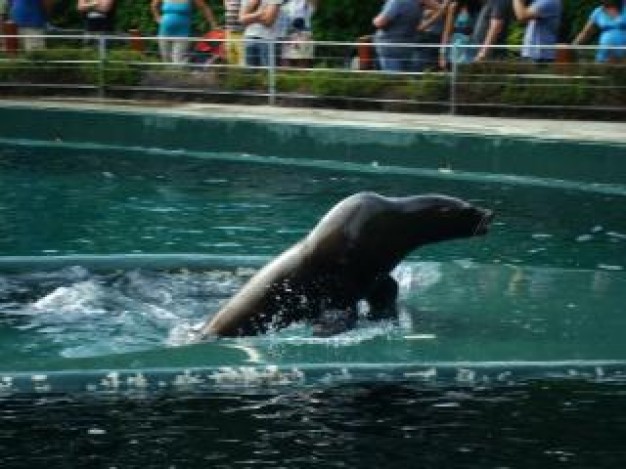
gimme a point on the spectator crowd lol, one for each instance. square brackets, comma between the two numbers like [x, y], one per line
[410, 35]
[477, 30]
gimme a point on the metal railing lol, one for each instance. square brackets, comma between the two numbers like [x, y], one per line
[340, 74]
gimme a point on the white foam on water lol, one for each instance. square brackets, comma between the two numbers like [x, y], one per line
[616, 235]
[78, 314]
[86, 315]
[183, 333]
[419, 275]
[301, 334]
[79, 299]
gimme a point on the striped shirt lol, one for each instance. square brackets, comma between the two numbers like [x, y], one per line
[231, 10]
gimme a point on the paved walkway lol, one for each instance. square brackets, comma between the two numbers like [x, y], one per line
[591, 131]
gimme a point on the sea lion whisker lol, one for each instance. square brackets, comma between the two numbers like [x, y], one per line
[480, 224]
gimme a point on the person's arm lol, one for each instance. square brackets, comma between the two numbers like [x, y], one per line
[206, 12]
[495, 28]
[432, 4]
[266, 15]
[155, 7]
[380, 21]
[105, 5]
[386, 16]
[250, 13]
[524, 13]
[102, 6]
[451, 12]
[83, 5]
[269, 14]
[435, 15]
[586, 33]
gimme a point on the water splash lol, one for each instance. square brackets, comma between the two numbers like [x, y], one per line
[448, 311]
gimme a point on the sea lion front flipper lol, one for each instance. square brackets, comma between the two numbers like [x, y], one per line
[382, 298]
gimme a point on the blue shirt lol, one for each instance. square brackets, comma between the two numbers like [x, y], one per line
[612, 33]
[28, 13]
[403, 17]
[493, 9]
[175, 19]
[543, 30]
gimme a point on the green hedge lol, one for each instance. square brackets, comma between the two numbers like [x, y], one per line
[498, 84]
[69, 66]
[585, 84]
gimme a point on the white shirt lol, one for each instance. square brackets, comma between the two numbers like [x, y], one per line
[257, 29]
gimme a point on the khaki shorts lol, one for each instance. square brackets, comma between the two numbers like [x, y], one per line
[234, 48]
[31, 43]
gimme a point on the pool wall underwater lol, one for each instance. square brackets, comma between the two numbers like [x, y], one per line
[297, 142]
[527, 160]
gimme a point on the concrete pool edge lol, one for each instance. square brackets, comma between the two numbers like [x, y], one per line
[579, 131]
[566, 151]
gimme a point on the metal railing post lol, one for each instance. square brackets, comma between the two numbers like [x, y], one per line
[271, 79]
[453, 53]
[102, 55]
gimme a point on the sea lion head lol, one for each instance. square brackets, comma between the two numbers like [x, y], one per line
[438, 217]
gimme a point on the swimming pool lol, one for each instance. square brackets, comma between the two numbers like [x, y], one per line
[115, 244]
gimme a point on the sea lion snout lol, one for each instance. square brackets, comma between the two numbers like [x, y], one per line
[486, 217]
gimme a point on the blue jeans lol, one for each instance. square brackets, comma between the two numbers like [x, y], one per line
[395, 59]
[257, 53]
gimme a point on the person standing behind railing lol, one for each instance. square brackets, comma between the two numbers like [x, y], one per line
[234, 32]
[260, 20]
[491, 29]
[609, 19]
[397, 23]
[459, 23]
[543, 18]
[31, 18]
[299, 52]
[429, 34]
[174, 20]
[98, 15]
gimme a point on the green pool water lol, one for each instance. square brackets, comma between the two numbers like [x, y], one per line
[508, 350]
[546, 284]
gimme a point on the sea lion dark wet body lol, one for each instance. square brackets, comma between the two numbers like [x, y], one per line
[346, 258]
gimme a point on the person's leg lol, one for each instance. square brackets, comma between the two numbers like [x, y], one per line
[252, 53]
[385, 60]
[426, 55]
[32, 43]
[264, 53]
[165, 50]
[179, 51]
[417, 61]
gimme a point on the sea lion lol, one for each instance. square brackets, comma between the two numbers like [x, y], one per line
[346, 258]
